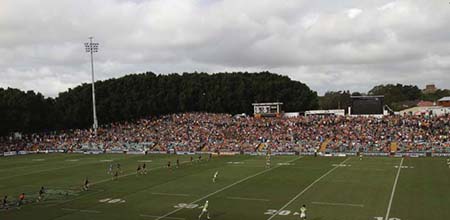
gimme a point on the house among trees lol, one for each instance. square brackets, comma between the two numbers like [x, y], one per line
[444, 102]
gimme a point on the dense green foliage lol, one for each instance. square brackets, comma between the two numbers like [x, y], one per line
[436, 95]
[335, 100]
[398, 93]
[141, 95]
[398, 96]
[25, 111]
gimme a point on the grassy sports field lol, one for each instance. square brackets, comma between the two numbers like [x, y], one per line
[332, 188]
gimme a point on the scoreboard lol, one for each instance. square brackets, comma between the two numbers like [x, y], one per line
[367, 105]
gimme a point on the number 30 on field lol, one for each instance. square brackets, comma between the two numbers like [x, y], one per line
[382, 218]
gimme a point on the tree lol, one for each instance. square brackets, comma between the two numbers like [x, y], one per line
[140, 95]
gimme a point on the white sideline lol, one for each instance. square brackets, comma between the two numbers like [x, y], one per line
[226, 187]
[338, 204]
[307, 188]
[393, 189]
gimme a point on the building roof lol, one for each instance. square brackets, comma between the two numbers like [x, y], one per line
[444, 99]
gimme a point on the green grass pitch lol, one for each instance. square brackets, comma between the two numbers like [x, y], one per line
[332, 188]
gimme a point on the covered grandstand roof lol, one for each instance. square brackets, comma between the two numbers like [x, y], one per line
[447, 98]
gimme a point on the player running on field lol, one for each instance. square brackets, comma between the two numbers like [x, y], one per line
[118, 168]
[215, 176]
[138, 170]
[268, 161]
[204, 211]
[144, 169]
[86, 184]
[116, 175]
[110, 169]
[303, 212]
[41, 194]
[5, 202]
[21, 199]
[178, 163]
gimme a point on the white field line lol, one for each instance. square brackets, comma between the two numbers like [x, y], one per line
[393, 190]
[306, 189]
[170, 194]
[338, 204]
[224, 188]
[155, 216]
[249, 199]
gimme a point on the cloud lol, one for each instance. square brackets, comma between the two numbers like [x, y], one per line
[354, 12]
[328, 45]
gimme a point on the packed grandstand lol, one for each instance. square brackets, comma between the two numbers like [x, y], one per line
[207, 132]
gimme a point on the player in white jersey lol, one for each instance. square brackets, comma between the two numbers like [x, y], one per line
[448, 162]
[215, 176]
[268, 160]
[303, 212]
[110, 169]
[204, 211]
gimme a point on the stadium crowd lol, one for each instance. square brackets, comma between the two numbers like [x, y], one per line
[223, 132]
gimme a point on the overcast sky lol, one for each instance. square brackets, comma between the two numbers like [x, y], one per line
[329, 45]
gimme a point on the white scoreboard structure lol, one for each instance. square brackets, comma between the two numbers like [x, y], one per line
[268, 109]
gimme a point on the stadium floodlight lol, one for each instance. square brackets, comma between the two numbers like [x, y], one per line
[92, 48]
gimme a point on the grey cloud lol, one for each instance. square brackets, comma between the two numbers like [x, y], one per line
[330, 45]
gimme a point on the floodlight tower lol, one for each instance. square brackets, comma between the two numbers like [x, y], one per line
[92, 48]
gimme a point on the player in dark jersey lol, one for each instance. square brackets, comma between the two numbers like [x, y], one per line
[192, 159]
[210, 156]
[116, 175]
[138, 170]
[144, 169]
[178, 163]
[199, 158]
[41, 194]
[5, 202]
[118, 168]
[86, 184]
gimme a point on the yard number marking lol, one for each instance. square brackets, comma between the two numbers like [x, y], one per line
[111, 201]
[185, 206]
[404, 167]
[274, 212]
